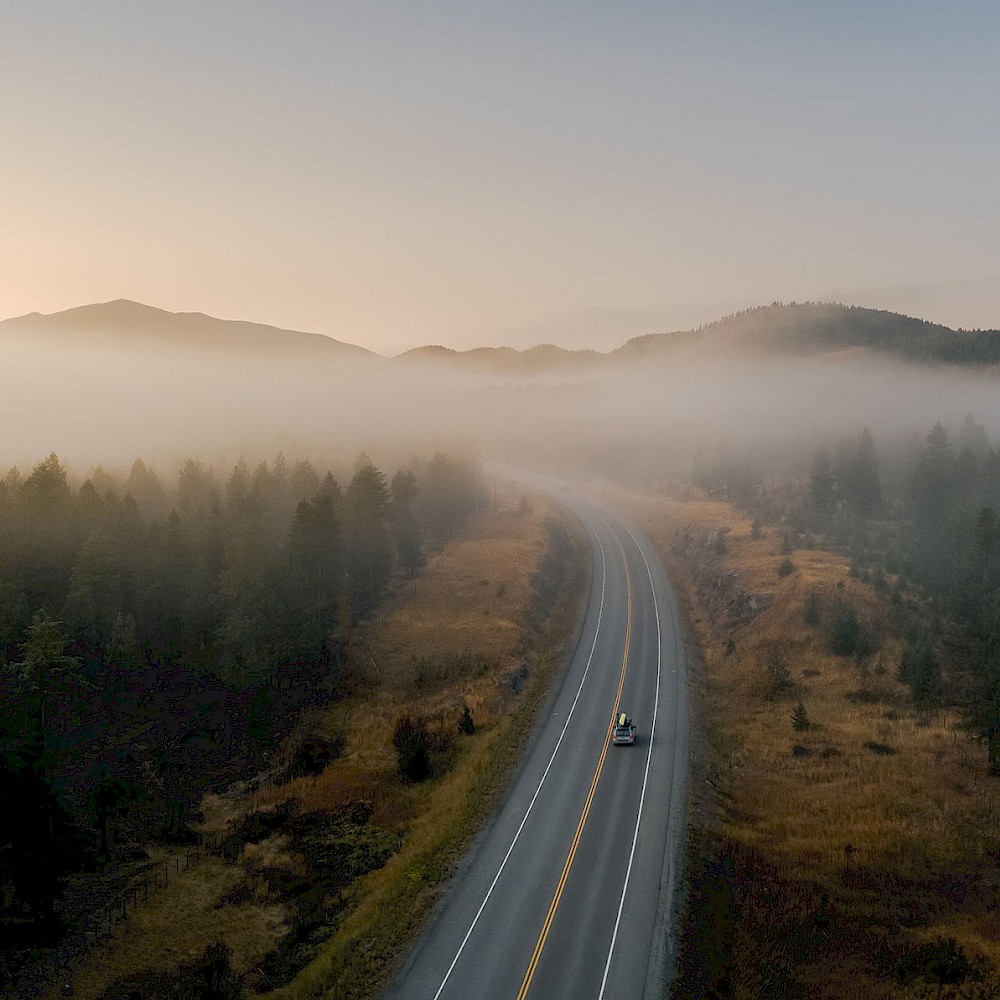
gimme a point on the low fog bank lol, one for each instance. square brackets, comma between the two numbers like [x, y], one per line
[106, 407]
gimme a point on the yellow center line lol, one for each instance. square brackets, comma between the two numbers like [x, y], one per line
[554, 905]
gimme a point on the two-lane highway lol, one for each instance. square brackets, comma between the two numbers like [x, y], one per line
[569, 891]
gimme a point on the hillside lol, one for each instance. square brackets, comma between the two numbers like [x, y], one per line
[841, 837]
[778, 330]
[127, 325]
[810, 329]
[507, 361]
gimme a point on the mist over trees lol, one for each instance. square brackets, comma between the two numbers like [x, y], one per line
[919, 515]
[154, 634]
[155, 628]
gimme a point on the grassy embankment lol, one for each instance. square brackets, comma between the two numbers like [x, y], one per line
[855, 859]
[484, 625]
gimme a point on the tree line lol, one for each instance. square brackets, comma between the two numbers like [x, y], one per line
[920, 521]
[152, 634]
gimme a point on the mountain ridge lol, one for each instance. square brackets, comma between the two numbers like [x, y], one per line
[119, 318]
[780, 329]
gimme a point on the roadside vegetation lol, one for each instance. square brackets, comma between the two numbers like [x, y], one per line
[158, 641]
[335, 849]
[844, 813]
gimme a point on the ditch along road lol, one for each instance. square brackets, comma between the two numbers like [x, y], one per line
[571, 890]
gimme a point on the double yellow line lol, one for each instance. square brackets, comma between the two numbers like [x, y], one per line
[554, 905]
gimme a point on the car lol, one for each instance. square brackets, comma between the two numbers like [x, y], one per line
[623, 732]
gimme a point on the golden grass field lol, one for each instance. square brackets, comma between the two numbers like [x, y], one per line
[463, 632]
[819, 859]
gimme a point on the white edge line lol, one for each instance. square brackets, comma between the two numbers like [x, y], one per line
[503, 864]
[645, 778]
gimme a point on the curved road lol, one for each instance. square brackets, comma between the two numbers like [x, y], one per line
[569, 892]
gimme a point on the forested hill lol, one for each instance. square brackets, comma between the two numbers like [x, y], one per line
[778, 330]
[127, 325]
[793, 329]
[818, 328]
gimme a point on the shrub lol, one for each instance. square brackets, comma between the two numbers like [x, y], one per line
[466, 724]
[939, 961]
[919, 669]
[812, 610]
[800, 718]
[313, 754]
[777, 677]
[412, 751]
[786, 567]
[845, 630]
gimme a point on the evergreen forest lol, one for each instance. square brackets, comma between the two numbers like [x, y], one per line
[157, 637]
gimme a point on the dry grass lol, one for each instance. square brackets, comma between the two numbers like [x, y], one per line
[178, 923]
[845, 846]
[470, 610]
[458, 634]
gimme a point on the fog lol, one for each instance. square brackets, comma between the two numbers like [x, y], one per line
[95, 403]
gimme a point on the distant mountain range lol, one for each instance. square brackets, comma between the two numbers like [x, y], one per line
[127, 324]
[778, 330]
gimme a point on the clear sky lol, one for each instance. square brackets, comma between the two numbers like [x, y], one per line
[466, 173]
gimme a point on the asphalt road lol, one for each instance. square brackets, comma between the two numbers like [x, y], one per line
[570, 890]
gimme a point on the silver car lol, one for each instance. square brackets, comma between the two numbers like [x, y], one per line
[623, 733]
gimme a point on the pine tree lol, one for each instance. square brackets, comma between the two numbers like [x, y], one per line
[800, 718]
[366, 507]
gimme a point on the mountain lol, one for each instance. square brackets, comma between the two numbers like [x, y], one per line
[107, 382]
[506, 361]
[131, 325]
[813, 329]
[779, 330]
[794, 330]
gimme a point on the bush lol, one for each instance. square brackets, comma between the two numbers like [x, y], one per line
[938, 961]
[919, 669]
[776, 675]
[786, 567]
[313, 754]
[412, 749]
[800, 718]
[845, 630]
[466, 724]
[812, 610]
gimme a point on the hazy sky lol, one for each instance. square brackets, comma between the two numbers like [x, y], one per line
[395, 174]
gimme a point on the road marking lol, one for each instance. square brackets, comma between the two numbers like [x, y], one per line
[531, 804]
[554, 905]
[645, 777]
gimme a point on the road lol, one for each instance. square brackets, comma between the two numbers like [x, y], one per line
[570, 890]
